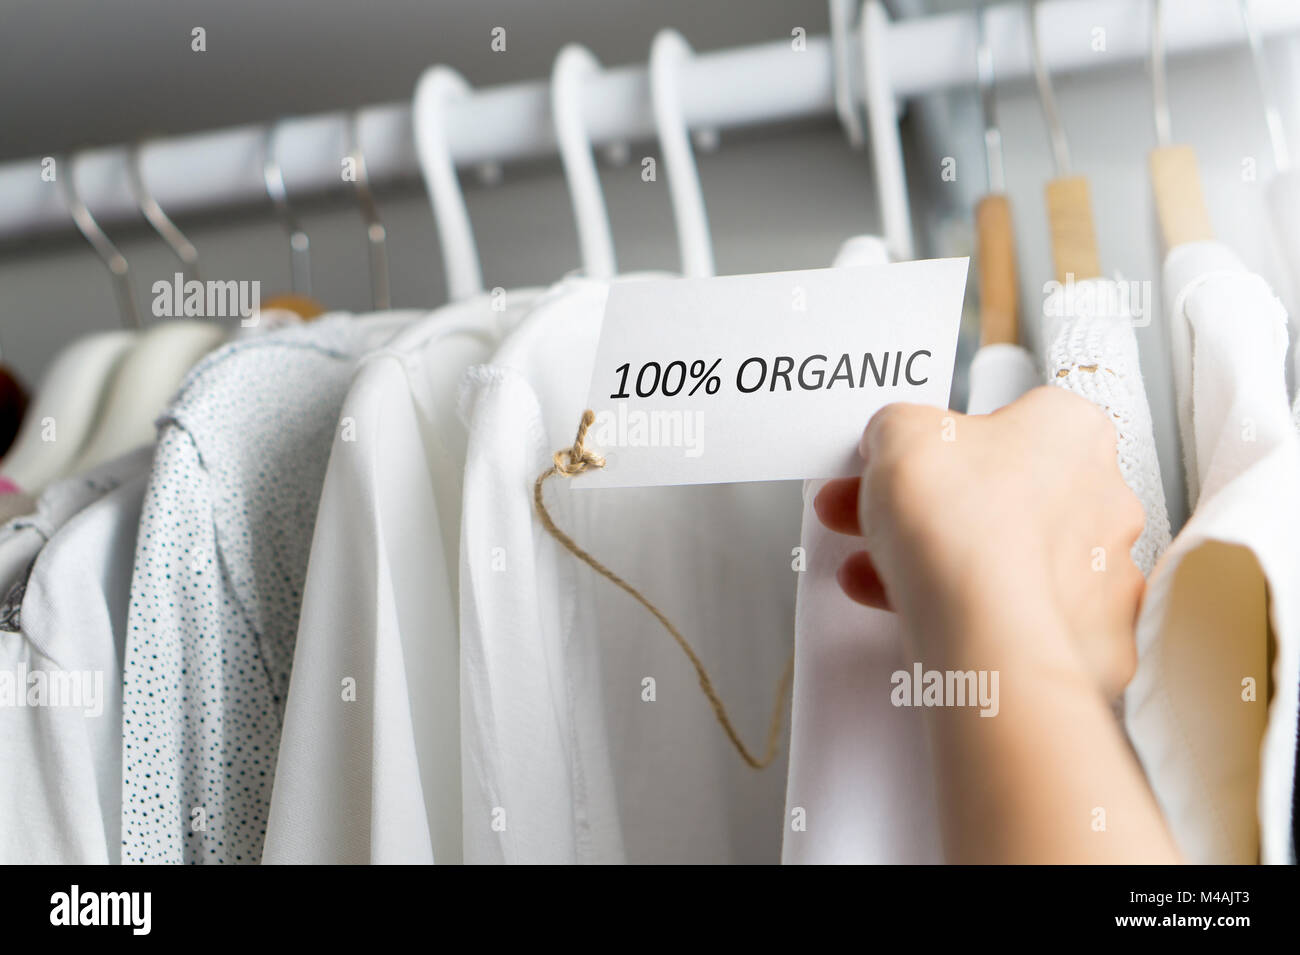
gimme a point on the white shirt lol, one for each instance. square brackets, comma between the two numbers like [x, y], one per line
[861, 789]
[220, 563]
[22, 537]
[564, 758]
[369, 764]
[60, 793]
[1219, 753]
[999, 374]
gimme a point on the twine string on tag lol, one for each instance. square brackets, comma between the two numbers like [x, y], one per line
[570, 462]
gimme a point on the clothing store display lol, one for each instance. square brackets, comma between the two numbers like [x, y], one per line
[457, 584]
[63, 758]
[375, 776]
[590, 740]
[1212, 709]
[1091, 350]
[219, 568]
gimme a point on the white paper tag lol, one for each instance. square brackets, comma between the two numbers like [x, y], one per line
[765, 377]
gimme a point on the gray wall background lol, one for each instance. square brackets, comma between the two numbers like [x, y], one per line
[85, 72]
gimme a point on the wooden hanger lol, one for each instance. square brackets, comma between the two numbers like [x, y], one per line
[146, 379]
[1069, 207]
[1175, 178]
[304, 306]
[994, 232]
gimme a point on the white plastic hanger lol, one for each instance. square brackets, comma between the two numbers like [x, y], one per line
[573, 65]
[668, 53]
[846, 105]
[157, 363]
[882, 124]
[437, 87]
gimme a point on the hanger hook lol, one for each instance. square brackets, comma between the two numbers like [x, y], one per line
[574, 65]
[668, 52]
[986, 78]
[376, 234]
[1046, 97]
[1159, 83]
[882, 125]
[1272, 117]
[151, 209]
[299, 244]
[846, 104]
[99, 241]
[438, 88]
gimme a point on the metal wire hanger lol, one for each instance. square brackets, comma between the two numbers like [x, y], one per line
[150, 208]
[376, 234]
[114, 261]
[299, 244]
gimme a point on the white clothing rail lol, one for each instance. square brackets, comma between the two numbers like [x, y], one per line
[723, 89]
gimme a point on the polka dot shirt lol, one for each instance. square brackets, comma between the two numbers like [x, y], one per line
[220, 563]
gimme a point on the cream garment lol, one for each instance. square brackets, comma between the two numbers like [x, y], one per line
[375, 778]
[1220, 763]
[66, 408]
[61, 791]
[22, 538]
[564, 756]
[144, 384]
[1092, 351]
[860, 787]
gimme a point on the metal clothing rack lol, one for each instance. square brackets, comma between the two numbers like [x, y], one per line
[730, 88]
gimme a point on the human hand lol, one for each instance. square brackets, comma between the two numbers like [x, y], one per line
[1001, 530]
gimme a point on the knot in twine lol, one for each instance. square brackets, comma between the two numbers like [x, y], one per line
[572, 461]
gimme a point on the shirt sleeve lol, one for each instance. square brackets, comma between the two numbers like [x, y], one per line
[199, 714]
